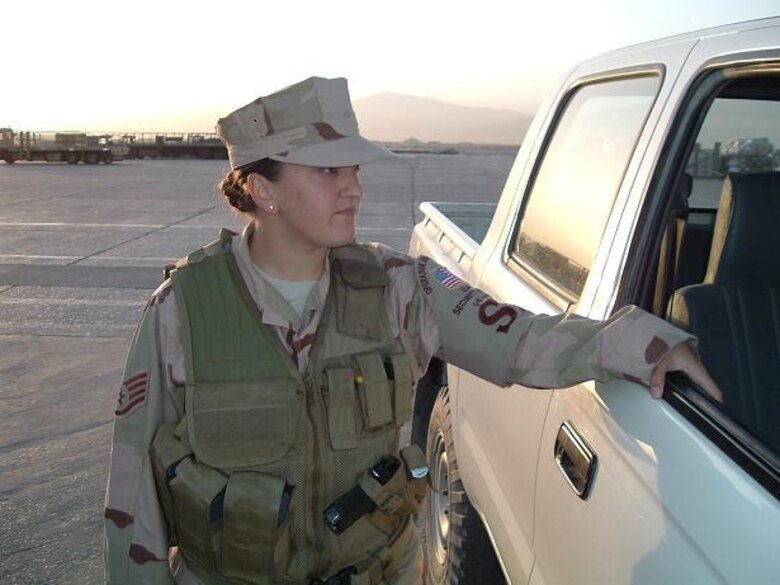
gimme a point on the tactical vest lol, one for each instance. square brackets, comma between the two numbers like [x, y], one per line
[261, 451]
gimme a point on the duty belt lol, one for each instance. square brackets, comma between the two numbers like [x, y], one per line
[373, 572]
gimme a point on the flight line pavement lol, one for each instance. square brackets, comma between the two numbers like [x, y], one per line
[81, 249]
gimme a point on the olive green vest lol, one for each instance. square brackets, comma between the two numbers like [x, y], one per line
[261, 451]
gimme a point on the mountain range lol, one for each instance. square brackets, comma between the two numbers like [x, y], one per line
[394, 117]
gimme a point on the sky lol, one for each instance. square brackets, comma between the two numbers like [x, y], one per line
[173, 66]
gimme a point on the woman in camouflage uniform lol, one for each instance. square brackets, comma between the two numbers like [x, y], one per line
[276, 377]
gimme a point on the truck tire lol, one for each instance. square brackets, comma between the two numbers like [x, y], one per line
[9, 160]
[72, 158]
[108, 157]
[428, 387]
[456, 546]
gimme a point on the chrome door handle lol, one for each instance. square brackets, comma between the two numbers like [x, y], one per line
[575, 459]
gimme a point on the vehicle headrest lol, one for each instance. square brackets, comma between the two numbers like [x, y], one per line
[746, 241]
[683, 190]
[685, 185]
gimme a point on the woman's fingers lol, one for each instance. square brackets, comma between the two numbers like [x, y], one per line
[683, 358]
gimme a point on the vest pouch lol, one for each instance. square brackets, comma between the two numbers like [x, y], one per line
[402, 387]
[340, 401]
[402, 492]
[417, 474]
[197, 491]
[256, 527]
[360, 305]
[241, 423]
[166, 453]
[374, 391]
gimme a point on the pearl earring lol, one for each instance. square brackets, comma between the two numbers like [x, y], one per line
[271, 207]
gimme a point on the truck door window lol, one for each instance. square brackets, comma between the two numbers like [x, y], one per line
[576, 184]
[727, 269]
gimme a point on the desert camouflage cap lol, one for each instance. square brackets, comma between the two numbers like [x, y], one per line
[310, 123]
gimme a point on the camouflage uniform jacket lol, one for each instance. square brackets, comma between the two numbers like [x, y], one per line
[433, 313]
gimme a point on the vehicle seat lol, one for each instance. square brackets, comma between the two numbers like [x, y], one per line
[695, 244]
[735, 312]
[669, 251]
[694, 237]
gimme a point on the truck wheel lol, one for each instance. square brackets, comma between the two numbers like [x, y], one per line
[9, 160]
[456, 545]
[108, 157]
[71, 158]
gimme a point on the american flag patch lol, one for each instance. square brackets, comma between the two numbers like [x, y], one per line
[133, 393]
[446, 277]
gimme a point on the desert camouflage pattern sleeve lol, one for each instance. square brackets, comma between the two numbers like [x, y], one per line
[136, 541]
[562, 350]
[505, 344]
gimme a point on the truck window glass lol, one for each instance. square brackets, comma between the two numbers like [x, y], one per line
[726, 269]
[576, 184]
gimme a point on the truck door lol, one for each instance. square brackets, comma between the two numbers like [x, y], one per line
[684, 490]
[554, 247]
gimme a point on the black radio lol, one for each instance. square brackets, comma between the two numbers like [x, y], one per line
[349, 507]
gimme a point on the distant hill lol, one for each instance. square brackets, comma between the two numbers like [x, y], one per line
[397, 117]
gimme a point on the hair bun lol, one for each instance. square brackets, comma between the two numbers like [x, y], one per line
[232, 189]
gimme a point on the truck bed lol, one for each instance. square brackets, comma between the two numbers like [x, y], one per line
[451, 233]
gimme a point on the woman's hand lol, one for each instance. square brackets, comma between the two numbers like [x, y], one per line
[683, 358]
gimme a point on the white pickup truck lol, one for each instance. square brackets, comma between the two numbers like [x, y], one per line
[620, 195]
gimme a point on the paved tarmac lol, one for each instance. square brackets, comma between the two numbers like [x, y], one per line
[81, 249]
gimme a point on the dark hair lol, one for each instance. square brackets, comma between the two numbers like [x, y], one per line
[233, 186]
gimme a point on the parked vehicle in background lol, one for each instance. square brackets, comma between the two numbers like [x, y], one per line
[70, 147]
[745, 155]
[614, 199]
[175, 145]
